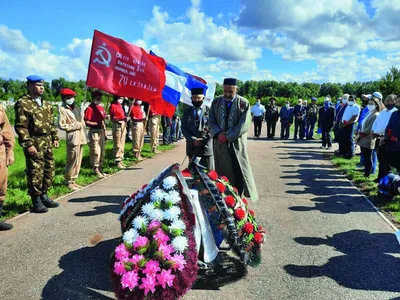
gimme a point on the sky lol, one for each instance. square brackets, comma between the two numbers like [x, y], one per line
[287, 40]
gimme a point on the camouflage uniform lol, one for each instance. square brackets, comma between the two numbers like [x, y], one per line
[34, 126]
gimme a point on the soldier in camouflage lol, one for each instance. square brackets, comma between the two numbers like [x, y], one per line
[37, 135]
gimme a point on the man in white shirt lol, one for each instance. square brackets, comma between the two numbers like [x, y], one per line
[257, 112]
[378, 130]
[346, 128]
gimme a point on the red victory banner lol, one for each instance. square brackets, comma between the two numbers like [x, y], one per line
[123, 69]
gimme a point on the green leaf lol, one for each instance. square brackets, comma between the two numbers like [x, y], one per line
[128, 266]
[177, 232]
[165, 228]
[143, 262]
[143, 250]
[249, 238]
[128, 246]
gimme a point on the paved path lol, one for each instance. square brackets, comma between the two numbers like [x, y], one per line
[324, 241]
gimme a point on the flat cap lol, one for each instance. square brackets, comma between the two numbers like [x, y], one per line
[230, 81]
[197, 91]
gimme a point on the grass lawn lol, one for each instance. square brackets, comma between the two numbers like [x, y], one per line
[367, 186]
[18, 201]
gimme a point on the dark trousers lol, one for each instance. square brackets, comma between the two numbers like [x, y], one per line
[285, 130]
[299, 128]
[310, 128]
[384, 167]
[271, 126]
[257, 126]
[326, 137]
[346, 141]
[239, 180]
[393, 159]
[166, 134]
[367, 155]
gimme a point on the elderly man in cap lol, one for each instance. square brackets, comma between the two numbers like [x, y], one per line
[195, 130]
[299, 111]
[6, 159]
[379, 130]
[71, 121]
[95, 116]
[271, 117]
[229, 122]
[311, 118]
[286, 116]
[326, 116]
[37, 135]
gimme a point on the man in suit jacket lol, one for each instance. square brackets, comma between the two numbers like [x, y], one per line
[299, 111]
[195, 129]
[325, 123]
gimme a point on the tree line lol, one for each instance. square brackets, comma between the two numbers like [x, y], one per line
[388, 84]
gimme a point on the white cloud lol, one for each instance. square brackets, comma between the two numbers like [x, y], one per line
[12, 41]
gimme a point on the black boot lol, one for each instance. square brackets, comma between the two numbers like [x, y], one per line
[48, 202]
[38, 206]
[4, 226]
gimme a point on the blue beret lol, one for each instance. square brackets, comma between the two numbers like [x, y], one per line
[34, 78]
[313, 99]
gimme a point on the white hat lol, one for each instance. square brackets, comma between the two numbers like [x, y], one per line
[377, 95]
[345, 96]
[327, 99]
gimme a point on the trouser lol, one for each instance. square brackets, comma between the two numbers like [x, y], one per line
[393, 159]
[335, 133]
[137, 137]
[299, 128]
[285, 130]
[97, 143]
[310, 128]
[384, 167]
[154, 132]
[118, 134]
[3, 180]
[178, 131]
[257, 125]
[374, 161]
[166, 133]
[238, 180]
[326, 137]
[367, 155]
[74, 160]
[128, 129]
[271, 126]
[40, 167]
[346, 141]
[172, 132]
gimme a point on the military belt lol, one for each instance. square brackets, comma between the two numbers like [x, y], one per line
[37, 134]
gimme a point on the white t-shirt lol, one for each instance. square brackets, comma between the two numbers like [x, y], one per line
[258, 110]
[382, 121]
[351, 111]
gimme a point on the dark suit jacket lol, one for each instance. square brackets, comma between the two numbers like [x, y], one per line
[326, 117]
[193, 127]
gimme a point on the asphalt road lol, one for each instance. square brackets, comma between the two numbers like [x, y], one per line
[324, 240]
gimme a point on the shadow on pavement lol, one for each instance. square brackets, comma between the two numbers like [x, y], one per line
[228, 271]
[367, 263]
[84, 271]
[112, 205]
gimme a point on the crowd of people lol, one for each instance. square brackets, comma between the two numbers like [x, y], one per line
[374, 127]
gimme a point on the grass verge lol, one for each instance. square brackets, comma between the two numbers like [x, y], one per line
[18, 200]
[368, 187]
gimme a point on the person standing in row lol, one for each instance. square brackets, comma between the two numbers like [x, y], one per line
[325, 123]
[365, 139]
[119, 124]
[299, 112]
[37, 135]
[257, 113]
[271, 117]
[154, 126]
[286, 116]
[311, 118]
[166, 123]
[6, 159]
[229, 122]
[127, 108]
[95, 116]
[195, 130]
[70, 120]
[346, 128]
[138, 118]
[392, 137]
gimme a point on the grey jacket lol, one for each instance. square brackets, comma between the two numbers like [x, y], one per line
[365, 139]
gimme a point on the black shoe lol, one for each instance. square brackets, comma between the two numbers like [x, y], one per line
[38, 206]
[4, 226]
[48, 202]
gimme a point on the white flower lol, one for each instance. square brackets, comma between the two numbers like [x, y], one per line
[157, 214]
[148, 209]
[174, 197]
[174, 212]
[139, 222]
[178, 224]
[130, 236]
[180, 243]
[157, 195]
[169, 182]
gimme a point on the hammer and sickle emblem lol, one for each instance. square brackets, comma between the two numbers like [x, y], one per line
[101, 59]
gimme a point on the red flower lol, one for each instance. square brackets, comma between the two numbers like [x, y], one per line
[240, 214]
[213, 175]
[235, 190]
[230, 201]
[260, 228]
[221, 187]
[224, 178]
[251, 212]
[248, 228]
[245, 201]
[258, 238]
